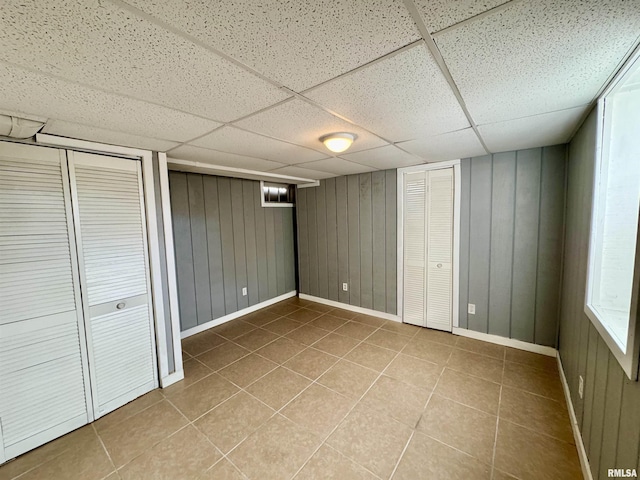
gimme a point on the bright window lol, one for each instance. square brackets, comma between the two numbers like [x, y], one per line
[277, 194]
[614, 232]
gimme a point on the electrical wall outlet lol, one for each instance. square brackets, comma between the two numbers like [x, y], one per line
[580, 386]
[471, 309]
[345, 287]
[244, 291]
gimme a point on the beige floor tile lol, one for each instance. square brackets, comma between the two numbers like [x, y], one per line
[328, 322]
[247, 370]
[534, 380]
[342, 313]
[387, 339]
[279, 439]
[329, 464]
[318, 409]
[337, 345]
[477, 365]
[356, 330]
[415, 371]
[223, 470]
[437, 336]
[535, 360]
[201, 342]
[185, 454]
[307, 334]
[317, 307]
[194, 370]
[370, 356]
[401, 328]
[397, 399]
[532, 456]
[281, 350]
[304, 315]
[233, 329]
[311, 363]
[128, 410]
[483, 348]
[229, 423]
[471, 391]
[348, 378]
[500, 475]
[429, 459]
[369, 320]
[260, 318]
[278, 387]
[461, 427]
[256, 339]
[283, 308]
[88, 461]
[222, 355]
[127, 440]
[541, 414]
[282, 326]
[372, 440]
[424, 349]
[202, 396]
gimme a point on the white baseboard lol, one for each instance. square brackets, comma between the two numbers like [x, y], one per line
[582, 453]
[507, 342]
[172, 378]
[353, 308]
[234, 315]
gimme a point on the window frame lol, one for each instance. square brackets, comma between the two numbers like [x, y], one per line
[629, 357]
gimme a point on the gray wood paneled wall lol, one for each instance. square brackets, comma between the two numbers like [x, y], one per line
[224, 241]
[609, 412]
[511, 237]
[347, 234]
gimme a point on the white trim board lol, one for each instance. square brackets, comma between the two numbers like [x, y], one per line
[577, 436]
[234, 315]
[507, 342]
[172, 378]
[352, 308]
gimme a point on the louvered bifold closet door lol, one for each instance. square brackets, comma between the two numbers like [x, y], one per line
[414, 238]
[43, 394]
[109, 216]
[440, 249]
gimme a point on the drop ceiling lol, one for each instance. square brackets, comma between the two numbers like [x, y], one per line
[253, 85]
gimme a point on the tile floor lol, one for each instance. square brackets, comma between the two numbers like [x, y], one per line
[300, 390]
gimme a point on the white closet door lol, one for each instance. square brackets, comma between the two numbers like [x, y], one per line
[414, 240]
[440, 249]
[112, 243]
[43, 394]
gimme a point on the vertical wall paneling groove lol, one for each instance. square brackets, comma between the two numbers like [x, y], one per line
[465, 212]
[303, 239]
[391, 240]
[224, 241]
[321, 222]
[611, 423]
[378, 223]
[216, 278]
[599, 396]
[312, 228]
[332, 241]
[366, 243]
[353, 204]
[343, 238]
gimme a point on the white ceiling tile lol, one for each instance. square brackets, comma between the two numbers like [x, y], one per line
[536, 57]
[32, 93]
[301, 123]
[449, 146]
[439, 14]
[234, 140]
[297, 43]
[384, 157]
[294, 171]
[401, 97]
[100, 135]
[529, 132]
[213, 157]
[96, 43]
[337, 166]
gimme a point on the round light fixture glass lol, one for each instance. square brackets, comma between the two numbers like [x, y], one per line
[338, 142]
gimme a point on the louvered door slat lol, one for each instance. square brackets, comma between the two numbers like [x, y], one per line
[414, 248]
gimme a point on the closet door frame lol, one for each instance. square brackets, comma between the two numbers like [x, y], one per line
[166, 377]
[455, 164]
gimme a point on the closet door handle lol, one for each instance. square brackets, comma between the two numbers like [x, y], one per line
[439, 265]
[121, 305]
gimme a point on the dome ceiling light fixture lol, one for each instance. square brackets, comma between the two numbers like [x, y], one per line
[338, 142]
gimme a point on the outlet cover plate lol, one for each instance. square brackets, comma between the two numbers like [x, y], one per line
[471, 310]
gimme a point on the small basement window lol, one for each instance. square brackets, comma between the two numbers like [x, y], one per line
[277, 194]
[611, 300]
